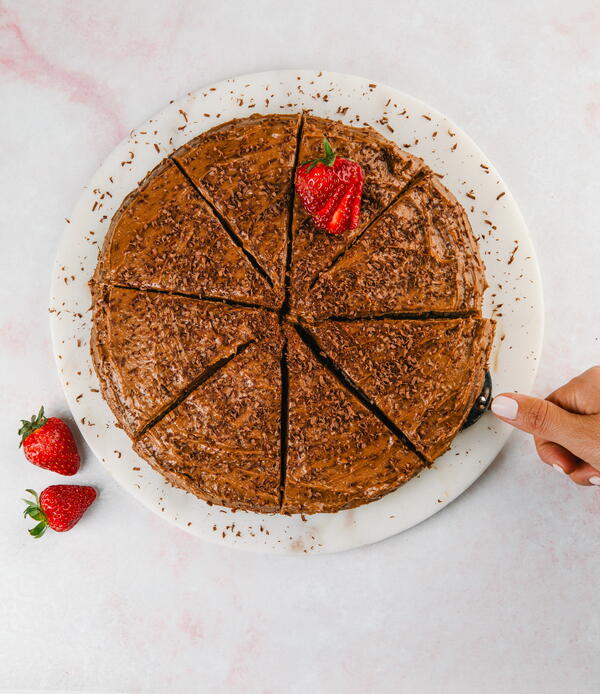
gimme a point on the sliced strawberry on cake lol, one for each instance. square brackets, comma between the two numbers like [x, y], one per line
[386, 171]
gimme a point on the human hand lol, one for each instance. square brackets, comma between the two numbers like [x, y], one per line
[565, 426]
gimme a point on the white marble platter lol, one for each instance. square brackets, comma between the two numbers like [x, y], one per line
[514, 299]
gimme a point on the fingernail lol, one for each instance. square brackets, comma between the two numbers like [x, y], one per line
[558, 467]
[594, 480]
[505, 407]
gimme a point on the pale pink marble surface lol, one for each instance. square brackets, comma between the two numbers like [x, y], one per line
[498, 593]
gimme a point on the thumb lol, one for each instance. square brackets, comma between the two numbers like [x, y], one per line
[543, 419]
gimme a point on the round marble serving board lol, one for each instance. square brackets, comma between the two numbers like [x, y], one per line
[514, 299]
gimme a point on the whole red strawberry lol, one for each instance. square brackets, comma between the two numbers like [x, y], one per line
[330, 189]
[49, 443]
[60, 506]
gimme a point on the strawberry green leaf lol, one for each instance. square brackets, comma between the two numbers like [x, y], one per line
[34, 511]
[37, 515]
[329, 158]
[38, 530]
[28, 427]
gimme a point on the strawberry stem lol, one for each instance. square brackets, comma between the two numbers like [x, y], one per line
[29, 426]
[328, 159]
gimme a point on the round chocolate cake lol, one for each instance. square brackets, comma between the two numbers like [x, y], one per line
[262, 363]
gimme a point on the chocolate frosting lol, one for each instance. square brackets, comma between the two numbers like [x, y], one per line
[419, 257]
[423, 374]
[222, 442]
[387, 169]
[147, 348]
[339, 454]
[245, 167]
[347, 401]
[164, 236]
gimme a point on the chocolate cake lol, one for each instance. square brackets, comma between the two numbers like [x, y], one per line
[340, 454]
[166, 237]
[388, 171]
[261, 363]
[419, 257]
[245, 168]
[222, 441]
[397, 363]
[150, 347]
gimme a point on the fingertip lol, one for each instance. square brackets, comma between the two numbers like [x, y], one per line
[505, 407]
[586, 475]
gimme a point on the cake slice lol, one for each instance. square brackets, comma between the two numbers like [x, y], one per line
[387, 170]
[339, 454]
[425, 375]
[222, 443]
[419, 257]
[245, 168]
[148, 348]
[166, 237]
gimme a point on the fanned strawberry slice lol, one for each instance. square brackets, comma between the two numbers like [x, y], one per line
[343, 215]
[330, 189]
[332, 203]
